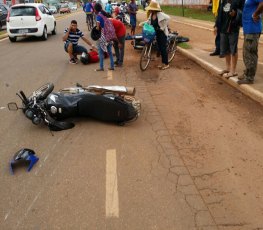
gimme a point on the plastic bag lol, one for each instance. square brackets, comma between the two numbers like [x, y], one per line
[148, 32]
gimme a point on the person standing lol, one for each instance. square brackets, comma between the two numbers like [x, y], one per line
[71, 38]
[228, 20]
[159, 21]
[119, 46]
[103, 45]
[252, 27]
[108, 8]
[215, 4]
[132, 10]
[88, 9]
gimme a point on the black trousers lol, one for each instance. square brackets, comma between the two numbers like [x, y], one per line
[162, 45]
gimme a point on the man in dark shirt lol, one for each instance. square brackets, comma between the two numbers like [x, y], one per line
[228, 13]
[71, 38]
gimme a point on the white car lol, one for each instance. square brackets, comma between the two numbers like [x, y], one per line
[53, 9]
[30, 19]
[73, 7]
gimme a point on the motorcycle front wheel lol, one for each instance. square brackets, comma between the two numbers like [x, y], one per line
[146, 56]
[42, 92]
[171, 49]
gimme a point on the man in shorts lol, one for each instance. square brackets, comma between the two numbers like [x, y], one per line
[226, 21]
[71, 38]
[132, 10]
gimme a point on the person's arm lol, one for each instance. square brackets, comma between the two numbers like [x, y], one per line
[256, 14]
[88, 42]
[65, 37]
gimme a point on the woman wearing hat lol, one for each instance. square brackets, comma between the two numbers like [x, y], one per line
[159, 21]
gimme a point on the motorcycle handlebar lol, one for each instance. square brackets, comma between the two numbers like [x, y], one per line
[25, 100]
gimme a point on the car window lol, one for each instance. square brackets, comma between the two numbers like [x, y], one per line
[23, 11]
[4, 10]
[47, 11]
[42, 9]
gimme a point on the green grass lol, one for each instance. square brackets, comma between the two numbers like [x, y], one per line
[201, 14]
[184, 45]
[2, 32]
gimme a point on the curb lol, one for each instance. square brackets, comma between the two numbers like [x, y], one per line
[245, 89]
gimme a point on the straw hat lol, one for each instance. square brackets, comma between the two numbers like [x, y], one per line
[154, 6]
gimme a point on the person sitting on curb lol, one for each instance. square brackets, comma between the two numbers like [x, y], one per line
[71, 38]
[119, 46]
[252, 27]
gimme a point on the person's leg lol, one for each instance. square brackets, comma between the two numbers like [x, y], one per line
[69, 49]
[162, 46]
[217, 43]
[109, 49]
[78, 50]
[233, 42]
[224, 50]
[116, 50]
[101, 56]
[122, 49]
[252, 55]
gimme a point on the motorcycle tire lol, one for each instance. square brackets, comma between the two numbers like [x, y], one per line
[42, 92]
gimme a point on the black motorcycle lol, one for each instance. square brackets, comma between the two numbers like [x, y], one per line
[105, 103]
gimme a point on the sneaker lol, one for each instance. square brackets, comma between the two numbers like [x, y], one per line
[245, 81]
[72, 61]
[76, 57]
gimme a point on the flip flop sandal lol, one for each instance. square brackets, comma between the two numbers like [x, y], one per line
[224, 71]
[228, 75]
[165, 67]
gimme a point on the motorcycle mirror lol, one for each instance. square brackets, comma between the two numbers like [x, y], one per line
[12, 106]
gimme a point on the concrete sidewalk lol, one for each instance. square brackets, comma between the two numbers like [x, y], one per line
[216, 65]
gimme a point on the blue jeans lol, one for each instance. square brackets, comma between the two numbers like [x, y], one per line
[101, 56]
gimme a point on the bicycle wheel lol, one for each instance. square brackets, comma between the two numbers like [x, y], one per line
[171, 49]
[146, 56]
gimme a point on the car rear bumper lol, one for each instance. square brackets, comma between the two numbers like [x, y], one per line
[23, 32]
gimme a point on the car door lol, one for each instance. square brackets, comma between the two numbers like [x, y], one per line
[50, 20]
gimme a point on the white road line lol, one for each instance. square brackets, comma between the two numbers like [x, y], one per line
[112, 197]
[28, 209]
[6, 216]
[110, 75]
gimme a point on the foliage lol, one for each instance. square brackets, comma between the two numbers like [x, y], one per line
[201, 14]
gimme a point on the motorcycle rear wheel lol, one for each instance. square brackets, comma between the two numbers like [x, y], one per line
[146, 56]
[42, 92]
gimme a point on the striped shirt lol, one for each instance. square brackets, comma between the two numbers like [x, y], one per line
[73, 37]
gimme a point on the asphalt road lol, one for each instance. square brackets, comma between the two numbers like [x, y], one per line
[177, 167]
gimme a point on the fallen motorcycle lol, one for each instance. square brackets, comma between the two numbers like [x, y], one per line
[105, 103]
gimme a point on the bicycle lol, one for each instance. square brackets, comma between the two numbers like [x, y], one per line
[150, 45]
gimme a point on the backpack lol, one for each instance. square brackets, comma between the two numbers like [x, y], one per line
[108, 30]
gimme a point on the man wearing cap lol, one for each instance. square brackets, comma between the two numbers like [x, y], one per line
[159, 21]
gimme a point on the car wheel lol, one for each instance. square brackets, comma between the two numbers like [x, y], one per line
[12, 39]
[44, 35]
[54, 31]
